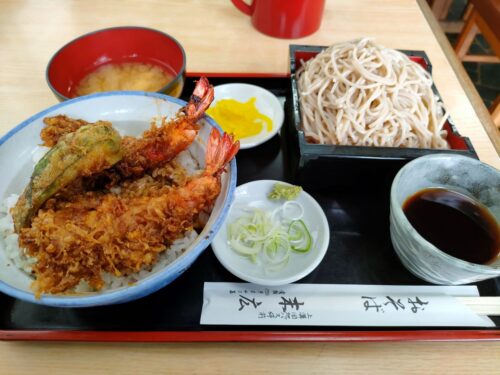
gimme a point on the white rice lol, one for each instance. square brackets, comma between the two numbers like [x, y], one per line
[9, 239]
[19, 258]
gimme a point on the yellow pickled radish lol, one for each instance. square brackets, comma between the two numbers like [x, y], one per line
[240, 119]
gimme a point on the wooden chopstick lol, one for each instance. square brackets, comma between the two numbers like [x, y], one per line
[482, 305]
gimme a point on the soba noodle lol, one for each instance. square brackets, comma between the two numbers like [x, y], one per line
[359, 93]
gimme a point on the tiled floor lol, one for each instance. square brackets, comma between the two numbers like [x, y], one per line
[486, 77]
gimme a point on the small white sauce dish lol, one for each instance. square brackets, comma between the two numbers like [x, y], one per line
[266, 102]
[254, 195]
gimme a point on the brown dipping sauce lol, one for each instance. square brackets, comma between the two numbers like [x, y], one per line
[455, 224]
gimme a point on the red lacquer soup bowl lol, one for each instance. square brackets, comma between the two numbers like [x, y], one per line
[116, 45]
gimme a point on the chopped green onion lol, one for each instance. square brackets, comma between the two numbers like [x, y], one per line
[270, 237]
[244, 249]
[300, 236]
[288, 211]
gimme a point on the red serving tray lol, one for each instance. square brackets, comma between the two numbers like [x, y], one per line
[252, 336]
[391, 334]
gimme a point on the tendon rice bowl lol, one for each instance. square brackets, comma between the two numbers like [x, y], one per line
[131, 114]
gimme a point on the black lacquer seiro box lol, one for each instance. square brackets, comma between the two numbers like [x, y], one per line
[319, 165]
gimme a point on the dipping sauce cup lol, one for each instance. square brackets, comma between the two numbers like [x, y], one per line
[457, 173]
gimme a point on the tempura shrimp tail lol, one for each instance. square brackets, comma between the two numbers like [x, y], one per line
[200, 193]
[220, 150]
[200, 100]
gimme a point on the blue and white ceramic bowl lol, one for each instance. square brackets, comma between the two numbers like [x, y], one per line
[130, 113]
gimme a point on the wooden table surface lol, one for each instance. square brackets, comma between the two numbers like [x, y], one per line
[218, 38]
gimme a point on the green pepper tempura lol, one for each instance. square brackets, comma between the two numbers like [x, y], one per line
[282, 191]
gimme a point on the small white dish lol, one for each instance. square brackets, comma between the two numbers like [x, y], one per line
[266, 102]
[254, 195]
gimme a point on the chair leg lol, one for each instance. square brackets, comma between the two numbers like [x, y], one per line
[468, 10]
[467, 35]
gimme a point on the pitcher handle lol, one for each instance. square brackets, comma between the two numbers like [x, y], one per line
[244, 7]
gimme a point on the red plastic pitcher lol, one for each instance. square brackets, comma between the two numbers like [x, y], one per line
[284, 18]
